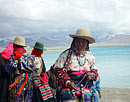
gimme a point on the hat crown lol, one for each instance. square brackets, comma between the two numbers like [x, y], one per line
[39, 45]
[82, 32]
[19, 41]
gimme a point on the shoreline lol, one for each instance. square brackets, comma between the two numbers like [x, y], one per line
[95, 45]
[62, 48]
[115, 95]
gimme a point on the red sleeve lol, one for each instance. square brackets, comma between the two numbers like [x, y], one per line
[61, 76]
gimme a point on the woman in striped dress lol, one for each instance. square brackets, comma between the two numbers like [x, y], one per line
[42, 91]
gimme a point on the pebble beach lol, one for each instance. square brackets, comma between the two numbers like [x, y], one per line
[115, 95]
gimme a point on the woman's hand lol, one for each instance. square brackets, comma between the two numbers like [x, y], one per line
[99, 93]
[71, 85]
[90, 76]
[35, 84]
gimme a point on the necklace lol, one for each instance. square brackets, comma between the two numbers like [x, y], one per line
[80, 62]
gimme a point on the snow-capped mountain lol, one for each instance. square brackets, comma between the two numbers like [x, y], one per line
[114, 38]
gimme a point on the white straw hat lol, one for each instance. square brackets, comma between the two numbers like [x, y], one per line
[19, 41]
[84, 34]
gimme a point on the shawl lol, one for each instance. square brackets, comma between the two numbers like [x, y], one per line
[8, 51]
[37, 52]
[18, 52]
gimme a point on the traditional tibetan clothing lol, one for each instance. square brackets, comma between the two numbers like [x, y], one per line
[43, 92]
[74, 67]
[21, 68]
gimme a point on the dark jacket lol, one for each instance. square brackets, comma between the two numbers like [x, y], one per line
[4, 80]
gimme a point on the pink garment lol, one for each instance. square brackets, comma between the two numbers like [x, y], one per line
[8, 51]
[80, 72]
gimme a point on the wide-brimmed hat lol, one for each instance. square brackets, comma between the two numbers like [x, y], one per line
[39, 46]
[19, 41]
[84, 34]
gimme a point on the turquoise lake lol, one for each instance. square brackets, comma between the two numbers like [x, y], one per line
[113, 65]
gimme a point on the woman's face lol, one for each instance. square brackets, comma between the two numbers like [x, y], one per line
[80, 44]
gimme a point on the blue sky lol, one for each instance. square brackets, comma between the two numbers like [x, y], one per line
[43, 17]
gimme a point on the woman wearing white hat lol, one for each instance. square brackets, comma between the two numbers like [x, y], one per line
[75, 67]
[21, 68]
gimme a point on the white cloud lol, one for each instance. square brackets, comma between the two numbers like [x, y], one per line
[40, 16]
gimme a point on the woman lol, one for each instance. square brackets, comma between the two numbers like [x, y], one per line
[21, 69]
[75, 69]
[4, 77]
[42, 91]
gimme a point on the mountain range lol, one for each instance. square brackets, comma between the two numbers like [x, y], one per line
[65, 40]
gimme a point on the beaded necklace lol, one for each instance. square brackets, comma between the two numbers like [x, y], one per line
[77, 57]
[67, 62]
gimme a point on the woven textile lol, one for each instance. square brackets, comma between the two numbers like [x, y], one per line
[84, 95]
[45, 90]
[67, 96]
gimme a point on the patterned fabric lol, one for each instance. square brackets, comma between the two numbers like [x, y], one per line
[21, 69]
[23, 64]
[62, 76]
[28, 88]
[45, 90]
[67, 95]
[74, 65]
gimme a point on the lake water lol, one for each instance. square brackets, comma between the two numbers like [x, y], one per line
[113, 65]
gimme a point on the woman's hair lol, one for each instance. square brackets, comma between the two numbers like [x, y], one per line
[73, 44]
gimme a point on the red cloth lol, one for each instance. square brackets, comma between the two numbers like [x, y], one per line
[37, 52]
[22, 86]
[80, 72]
[18, 52]
[44, 78]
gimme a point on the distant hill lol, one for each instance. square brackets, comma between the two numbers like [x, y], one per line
[54, 41]
[120, 38]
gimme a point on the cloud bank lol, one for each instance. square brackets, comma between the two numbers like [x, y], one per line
[55, 16]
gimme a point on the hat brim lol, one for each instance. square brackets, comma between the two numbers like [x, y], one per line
[90, 39]
[39, 48]
[19, 44]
